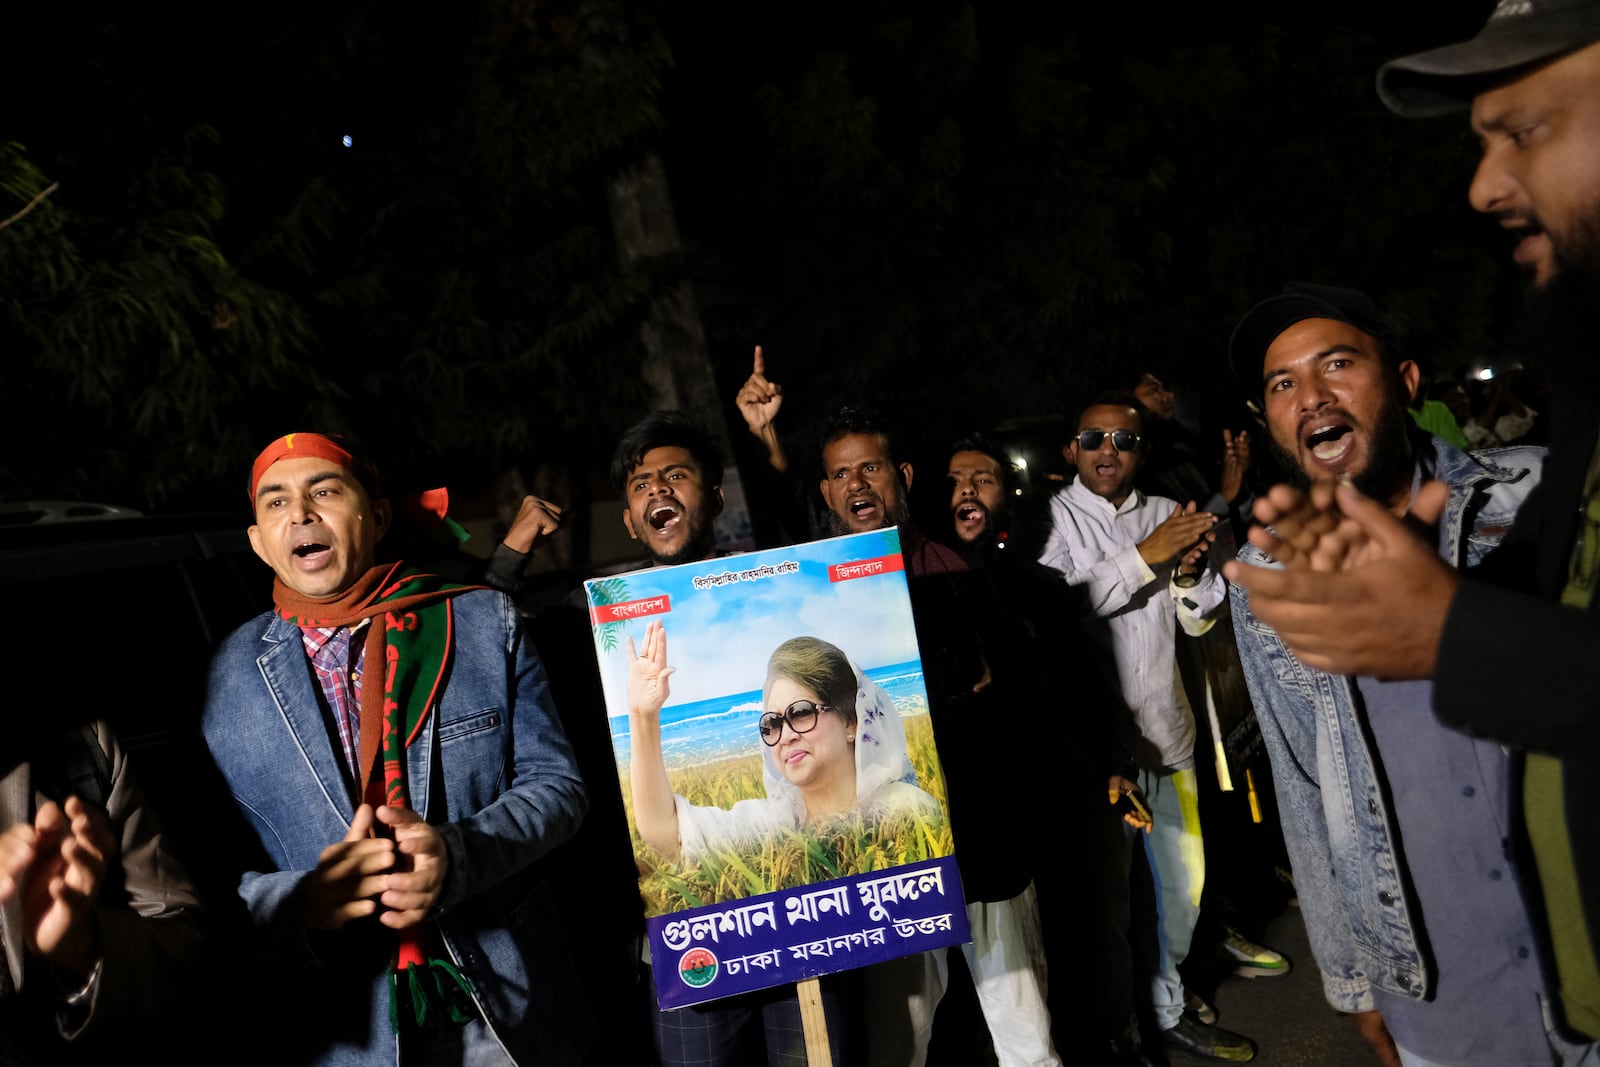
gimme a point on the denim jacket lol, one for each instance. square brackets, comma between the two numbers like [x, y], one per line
[492, 771]
[1337, 825]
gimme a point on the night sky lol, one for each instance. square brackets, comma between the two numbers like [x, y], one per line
[965, 213]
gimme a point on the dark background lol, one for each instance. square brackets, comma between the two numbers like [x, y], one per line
[970, 214]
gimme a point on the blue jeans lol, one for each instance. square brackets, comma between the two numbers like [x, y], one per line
[1178, 865]
[471, 1044]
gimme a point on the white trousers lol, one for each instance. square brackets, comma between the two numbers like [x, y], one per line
[1006, 958]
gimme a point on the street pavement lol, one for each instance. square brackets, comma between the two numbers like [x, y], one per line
[1286, 1016]
[1291, 1023]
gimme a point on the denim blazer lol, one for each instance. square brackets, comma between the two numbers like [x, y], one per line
[492, 770]
[1340, 833]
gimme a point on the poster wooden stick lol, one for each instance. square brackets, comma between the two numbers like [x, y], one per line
[815, 1024]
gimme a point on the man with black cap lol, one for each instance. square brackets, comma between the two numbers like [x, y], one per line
[1420, 931]
[1364, 595]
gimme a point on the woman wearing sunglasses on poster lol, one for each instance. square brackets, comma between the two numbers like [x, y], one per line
[832, 744]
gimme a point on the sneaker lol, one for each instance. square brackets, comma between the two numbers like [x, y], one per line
[1249, 959]
[1209, 1042]
[1195, 1006]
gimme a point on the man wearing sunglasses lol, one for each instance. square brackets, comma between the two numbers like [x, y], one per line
[1413, 912]
[1141, 561]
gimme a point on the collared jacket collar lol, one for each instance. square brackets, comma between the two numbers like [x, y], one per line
[1341, 834]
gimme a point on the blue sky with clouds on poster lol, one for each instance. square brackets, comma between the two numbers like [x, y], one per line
[718, 639]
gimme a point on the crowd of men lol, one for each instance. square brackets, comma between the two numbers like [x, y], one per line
[423, 779]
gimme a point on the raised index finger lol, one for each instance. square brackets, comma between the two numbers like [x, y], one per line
[760, 368]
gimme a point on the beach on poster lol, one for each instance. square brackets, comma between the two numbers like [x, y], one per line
[802, 896]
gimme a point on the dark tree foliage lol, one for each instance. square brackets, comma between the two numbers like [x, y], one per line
[973, 212]
[219, 266]
[967, 213]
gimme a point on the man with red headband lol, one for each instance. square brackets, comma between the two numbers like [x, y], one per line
[400, 816]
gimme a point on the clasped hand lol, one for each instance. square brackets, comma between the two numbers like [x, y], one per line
[398, 879]
[536, 520]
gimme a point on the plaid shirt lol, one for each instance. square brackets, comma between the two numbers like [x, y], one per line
[340, 681]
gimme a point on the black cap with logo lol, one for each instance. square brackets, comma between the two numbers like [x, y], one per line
[1520, 33]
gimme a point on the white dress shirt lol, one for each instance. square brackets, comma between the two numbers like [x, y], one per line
[1095, 545]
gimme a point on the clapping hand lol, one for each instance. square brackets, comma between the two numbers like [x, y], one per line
[57, 865]
[1185, 533]
[1360, 591]
[1235, 463]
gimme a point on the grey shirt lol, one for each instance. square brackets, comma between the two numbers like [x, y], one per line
[1452, 804]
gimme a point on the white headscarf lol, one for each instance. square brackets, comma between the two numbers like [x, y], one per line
[880, 744]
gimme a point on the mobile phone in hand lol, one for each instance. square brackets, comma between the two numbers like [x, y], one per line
[1133, 802]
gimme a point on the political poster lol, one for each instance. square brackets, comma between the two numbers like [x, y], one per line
[778, 765]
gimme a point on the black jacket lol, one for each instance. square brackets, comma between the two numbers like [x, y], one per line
[1517, 666]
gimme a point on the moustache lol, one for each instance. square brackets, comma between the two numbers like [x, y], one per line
[1519, 219]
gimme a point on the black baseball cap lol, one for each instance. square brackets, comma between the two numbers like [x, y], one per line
[1263, 323]
[1520, 33]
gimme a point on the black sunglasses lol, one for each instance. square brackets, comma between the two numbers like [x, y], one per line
[1121, 440]
[801, 717]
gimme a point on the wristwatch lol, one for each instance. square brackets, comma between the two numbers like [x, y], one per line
[1186, 581]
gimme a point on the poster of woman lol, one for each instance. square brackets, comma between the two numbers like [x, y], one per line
[778, 763]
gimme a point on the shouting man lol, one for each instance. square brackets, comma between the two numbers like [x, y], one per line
[1418, 925]
[389, 738]
[1362, 594]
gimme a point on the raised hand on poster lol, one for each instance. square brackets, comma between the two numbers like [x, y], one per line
[654, 809]
[648, 672]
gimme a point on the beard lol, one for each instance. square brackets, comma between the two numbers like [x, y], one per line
[899, 515]
[698, 545]
[993, 523]
[983, 547]
[1559, 328]
[1389, 460]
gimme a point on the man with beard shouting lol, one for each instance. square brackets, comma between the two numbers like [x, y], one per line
[1419, 927]
[985, 736]
[1036, 624]
[1361, 593]
[669, 472]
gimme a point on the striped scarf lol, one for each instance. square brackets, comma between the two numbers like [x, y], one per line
[412, 635]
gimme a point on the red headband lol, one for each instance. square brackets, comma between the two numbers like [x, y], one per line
[296, 446]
